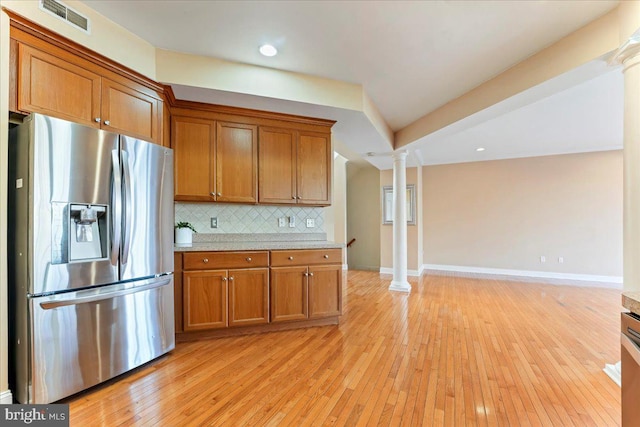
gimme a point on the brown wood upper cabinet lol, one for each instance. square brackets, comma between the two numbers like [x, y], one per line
[193, 144]
[214, 161]
[65, 86]
[236, 163]
[294, 167]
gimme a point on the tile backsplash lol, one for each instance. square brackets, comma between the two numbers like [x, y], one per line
[248, 218]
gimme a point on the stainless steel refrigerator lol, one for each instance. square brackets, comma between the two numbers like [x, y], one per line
[90, 256]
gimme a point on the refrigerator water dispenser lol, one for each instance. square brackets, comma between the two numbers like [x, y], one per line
[87, 232]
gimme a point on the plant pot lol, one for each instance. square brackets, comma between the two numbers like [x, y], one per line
[184, 236]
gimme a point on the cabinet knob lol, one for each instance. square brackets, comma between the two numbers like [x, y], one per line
[97, 119]
[249, 259]
[224, 279]
[219, 194]
[205, 260]
[290, 258]
[310, 274]
[213, 194]
[306, 274]
[231, 278]
[107, 122]
[293, 197]
[326, 257]
[299, 197]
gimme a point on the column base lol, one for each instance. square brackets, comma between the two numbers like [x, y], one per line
[614, 372]
[400, 286]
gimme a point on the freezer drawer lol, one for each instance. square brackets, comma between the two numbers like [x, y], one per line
[90, 336]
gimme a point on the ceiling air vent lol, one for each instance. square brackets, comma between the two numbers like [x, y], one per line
[64, 12]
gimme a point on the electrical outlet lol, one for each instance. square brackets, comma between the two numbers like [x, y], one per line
[311, 222]
[543, 259]
[214, 222]
[561, 260]
[281, 222]
[292, 222]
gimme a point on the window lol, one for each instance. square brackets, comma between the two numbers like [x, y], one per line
[387, 204]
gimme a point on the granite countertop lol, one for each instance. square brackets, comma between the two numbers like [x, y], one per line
[253, 246]
[631, 301]
[263, 242]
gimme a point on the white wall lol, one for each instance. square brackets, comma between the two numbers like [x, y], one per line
[363, 217]
[335, 216]
[506, 214]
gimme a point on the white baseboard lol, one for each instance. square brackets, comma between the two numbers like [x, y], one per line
[6, 398]
[613, 282]
[411, 273]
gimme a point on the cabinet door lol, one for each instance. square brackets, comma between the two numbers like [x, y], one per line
[193, 158]
[277, 166]
[236, 163]
[204, 299]
[53, 86]
[248, 296]
[325, 291]
[314, 168]
[288, 294]
[130, 111]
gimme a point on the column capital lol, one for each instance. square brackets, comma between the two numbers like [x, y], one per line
[629, 50]
[399, 155]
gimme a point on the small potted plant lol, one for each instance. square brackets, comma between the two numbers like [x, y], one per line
[184, 233]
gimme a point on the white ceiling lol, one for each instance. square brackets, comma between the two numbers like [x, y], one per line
[586, 117]
[410, 57]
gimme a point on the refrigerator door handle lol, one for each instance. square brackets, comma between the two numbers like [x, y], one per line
[128, 189]
[48, 305]
[116, 204]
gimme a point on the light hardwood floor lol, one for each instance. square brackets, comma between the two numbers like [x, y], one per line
[455, 352]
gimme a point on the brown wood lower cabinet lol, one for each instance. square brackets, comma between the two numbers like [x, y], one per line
[325, 291]
[205, 299]
[220, 298]
[248, 297]
[306, 291]
[289, 294]
[257, 291]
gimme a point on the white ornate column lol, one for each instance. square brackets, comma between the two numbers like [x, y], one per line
[629, 56]
[399, 282]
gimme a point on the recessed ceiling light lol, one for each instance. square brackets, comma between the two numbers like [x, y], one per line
[268, 50]
[480, 149]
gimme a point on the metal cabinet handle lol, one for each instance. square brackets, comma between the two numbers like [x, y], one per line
[293, 197]
[83, 297]
[97, 119]
[290, 258]
[248, 259]
[205, 260]
[306, 274]
[231, 278]
[299, 197]
[310, 274]
[219, 194]
[213, 194]
[107, 122]
[326, 257]
[224, 279]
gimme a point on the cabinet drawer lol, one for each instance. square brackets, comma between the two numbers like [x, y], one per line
[213, 260]
[306, 257]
